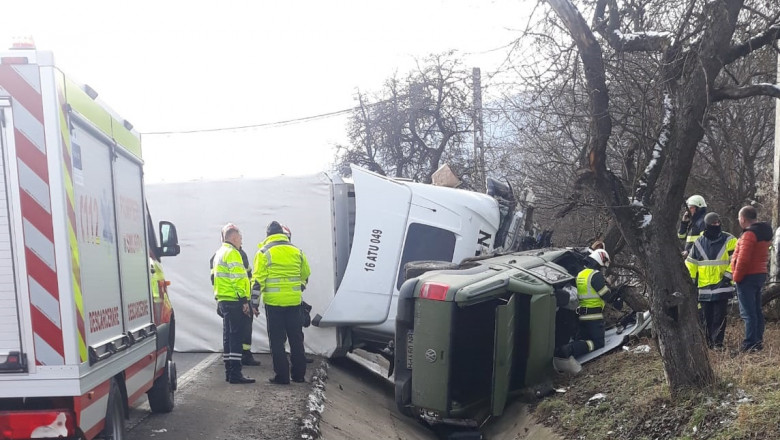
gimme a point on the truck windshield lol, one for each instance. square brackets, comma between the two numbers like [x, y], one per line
[424, 242]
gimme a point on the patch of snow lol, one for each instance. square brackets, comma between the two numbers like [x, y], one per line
[646, 220]
[626, 38]
[596, 397]
[663, 137]
[641, 349]
[315, 405]
[158, 431]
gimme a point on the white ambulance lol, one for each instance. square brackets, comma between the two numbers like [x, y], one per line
[86, 327]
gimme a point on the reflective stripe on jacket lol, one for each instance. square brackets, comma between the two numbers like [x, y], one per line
[280, 269]
[589, 297]
[709, 262]
[230, 280]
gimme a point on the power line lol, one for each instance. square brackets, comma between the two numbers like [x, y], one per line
[245, 127]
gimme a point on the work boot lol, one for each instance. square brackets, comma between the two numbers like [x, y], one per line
[227, 371]
[248, 359]
[241, 379]
[567, 365]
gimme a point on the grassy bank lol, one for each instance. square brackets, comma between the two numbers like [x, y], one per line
[743, 404]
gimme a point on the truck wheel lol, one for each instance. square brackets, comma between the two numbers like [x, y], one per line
[161, 399]
[115, 415]
[416, 268]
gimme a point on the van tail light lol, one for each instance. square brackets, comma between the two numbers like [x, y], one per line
[37, 424]
[434, 291]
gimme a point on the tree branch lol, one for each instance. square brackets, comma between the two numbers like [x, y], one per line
[593, 62]
[745, 48]
[638, 41]
[725, 93]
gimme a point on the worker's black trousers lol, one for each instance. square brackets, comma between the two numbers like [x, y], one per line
[285, 323]
[246, 331]
[713, 313]
[590, 336]
[232, 319]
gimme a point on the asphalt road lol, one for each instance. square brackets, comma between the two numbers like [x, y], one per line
[207, 407]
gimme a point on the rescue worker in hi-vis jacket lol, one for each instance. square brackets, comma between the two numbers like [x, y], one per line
[709, 265]
[592, 293]
[692, 222]
[280, 270]
[231, 290]
[246, 325]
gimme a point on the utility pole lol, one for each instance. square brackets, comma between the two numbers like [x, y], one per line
[479, 147]
[776, 184]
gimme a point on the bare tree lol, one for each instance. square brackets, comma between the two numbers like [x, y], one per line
[415, 124]
[680, 51]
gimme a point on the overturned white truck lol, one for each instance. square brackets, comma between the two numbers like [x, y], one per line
[357, 233]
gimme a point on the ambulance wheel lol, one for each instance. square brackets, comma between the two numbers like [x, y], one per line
[416, 268]
[115, 415]
[161, 399]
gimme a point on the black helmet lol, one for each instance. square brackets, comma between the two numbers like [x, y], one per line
[274, 228]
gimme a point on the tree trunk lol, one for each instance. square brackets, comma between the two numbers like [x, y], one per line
[673, 308]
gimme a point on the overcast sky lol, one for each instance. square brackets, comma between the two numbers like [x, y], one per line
[187, 65]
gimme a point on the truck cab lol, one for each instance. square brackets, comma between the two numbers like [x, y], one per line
[397, 222]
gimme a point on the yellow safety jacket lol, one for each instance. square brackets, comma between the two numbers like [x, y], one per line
[280, 270]
[230, 280]
[708, 263]
[591, 304]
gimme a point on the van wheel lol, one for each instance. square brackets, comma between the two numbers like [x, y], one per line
[115, 415]
[161, 398]
[414, 269]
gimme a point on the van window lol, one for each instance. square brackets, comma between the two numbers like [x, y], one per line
[425, 242]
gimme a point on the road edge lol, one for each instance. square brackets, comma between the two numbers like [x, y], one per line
[315, 404]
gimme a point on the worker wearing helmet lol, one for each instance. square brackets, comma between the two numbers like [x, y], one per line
[692, 222]
[280, 270]
[593, 293]
[231, 290]
[305, 307]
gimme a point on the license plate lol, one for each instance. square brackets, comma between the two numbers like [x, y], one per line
[409, 349]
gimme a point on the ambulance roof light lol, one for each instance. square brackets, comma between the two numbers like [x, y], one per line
[22, 42]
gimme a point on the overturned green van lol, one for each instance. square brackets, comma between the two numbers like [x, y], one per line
[468, 338]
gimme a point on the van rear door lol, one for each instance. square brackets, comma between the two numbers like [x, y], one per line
[504, 343]
[10, 325]
[366, 291]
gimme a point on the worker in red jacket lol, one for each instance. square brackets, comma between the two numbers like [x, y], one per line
[749, 268]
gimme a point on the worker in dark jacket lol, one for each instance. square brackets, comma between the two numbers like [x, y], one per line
[692, 223]
[749, 268]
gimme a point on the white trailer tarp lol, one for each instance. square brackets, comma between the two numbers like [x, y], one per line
[199, 209]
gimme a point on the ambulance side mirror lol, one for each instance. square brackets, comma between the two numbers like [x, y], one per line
[169, 241]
